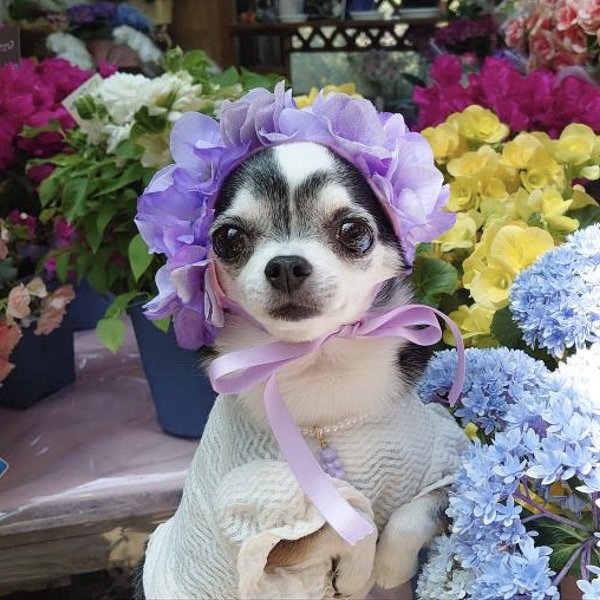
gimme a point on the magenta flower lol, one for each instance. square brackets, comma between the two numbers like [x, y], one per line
[31, 94]
[538, 101]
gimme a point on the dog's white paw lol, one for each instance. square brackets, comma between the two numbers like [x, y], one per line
[353, 572]
[393, 565]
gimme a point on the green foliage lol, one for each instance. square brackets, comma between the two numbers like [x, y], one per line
[111, 332]
[433, 278]
[588, 215]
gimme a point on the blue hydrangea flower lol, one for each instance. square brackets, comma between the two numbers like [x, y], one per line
[541, 427]
[494, 379]
[591, 589]
[130, 15]
[556, 302]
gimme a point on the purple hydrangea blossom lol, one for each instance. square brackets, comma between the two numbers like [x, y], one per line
[176, 210]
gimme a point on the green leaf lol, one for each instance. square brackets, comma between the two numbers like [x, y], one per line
[433, 277]
[62, 266]
[131, 174]
[73, 197]
[31, 132]
[97, 276]
[120, 303]
[505, 330]
[48, 189]
[147, 123]
[228, 77]
[129, 149]
[82, 265]
[47, 215]
[588, 215]
[163, 324]
[111, 333]
[105, 214]
[139, 256]
[8, 273]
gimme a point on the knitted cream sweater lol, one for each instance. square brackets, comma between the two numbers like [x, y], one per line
[240, 499]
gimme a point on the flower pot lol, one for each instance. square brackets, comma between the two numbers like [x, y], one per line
[88, 307]
[44, 364]
[182, 393]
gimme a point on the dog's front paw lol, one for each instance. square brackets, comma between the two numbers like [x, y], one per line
[394, 565]
[349, 567]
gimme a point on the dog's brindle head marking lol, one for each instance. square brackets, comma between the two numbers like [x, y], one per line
[311, 216]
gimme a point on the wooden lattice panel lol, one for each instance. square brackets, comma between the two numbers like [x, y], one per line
[335, 38]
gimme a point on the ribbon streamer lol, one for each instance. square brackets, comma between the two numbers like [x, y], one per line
[241, 370]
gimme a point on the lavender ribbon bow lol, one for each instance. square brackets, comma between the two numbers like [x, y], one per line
[241, 370]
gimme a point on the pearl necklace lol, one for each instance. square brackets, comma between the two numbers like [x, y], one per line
[328, 456]
[328, 429]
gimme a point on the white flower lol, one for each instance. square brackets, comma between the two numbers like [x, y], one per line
[442, 578]
[123, 94]
[139, 43]
[67, 46]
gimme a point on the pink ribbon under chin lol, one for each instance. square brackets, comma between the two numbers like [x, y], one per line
[241, 370]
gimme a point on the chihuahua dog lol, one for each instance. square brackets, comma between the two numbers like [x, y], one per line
[300, 242]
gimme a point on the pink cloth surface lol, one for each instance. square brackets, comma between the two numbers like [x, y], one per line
[91, 451]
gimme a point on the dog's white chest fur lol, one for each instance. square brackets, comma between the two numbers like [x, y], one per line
[240, 498]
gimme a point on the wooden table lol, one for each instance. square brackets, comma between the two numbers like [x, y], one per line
[91, 473]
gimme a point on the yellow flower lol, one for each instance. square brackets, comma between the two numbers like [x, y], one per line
[463, 192]
[471, 430]
[462, 234]
[512, 248]
[474, 323]
[516, 246]
[480, 125]
[490, 288]
[581, 198]
[475, 263]
[518, 152]
[542, 170]
[344, 88]
[472, 163]
[577, 145]
[548, 207]
[445, 141]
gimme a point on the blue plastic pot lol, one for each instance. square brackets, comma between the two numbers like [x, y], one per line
[88, 307]
[44, 364]
[182, 393]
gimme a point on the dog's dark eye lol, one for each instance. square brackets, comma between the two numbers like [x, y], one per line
[355, 236]
[229, 242]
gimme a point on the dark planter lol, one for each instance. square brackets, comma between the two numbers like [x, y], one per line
[182, 393]
[419, 3]
[88, 307]
[44, 364]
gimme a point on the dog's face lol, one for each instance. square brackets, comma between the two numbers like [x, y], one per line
[300, 241]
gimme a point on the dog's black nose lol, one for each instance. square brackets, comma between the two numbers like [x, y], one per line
[287, 273]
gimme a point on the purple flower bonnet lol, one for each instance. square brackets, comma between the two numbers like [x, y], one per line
[175, 211]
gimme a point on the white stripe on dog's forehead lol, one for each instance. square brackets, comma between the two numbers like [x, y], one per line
[297, 161]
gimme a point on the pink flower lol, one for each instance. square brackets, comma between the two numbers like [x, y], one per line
[64, 233]
[541, 48]
[54, 309]
[9, 338]
[18, 302]
[25, 220]
[589, 15]
[574, 39]
[38, 173]
[566, 16]
[514, 32]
